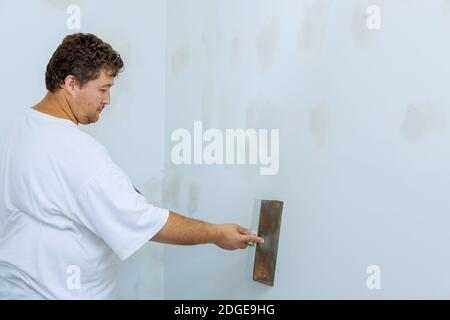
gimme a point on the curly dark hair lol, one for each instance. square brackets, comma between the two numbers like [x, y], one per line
[84, 56]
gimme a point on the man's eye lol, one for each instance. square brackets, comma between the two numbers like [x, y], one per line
[103, 90]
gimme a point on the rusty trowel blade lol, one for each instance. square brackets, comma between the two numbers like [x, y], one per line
[266, 253]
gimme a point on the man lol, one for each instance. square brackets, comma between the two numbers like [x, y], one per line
[64, 204]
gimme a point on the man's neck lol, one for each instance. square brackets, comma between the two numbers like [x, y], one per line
[57, 104]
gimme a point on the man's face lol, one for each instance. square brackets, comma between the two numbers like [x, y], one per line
[88, 101]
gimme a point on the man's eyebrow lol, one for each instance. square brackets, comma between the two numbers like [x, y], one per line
[107, 85]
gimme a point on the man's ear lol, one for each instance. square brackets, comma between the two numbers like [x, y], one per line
[71, 84]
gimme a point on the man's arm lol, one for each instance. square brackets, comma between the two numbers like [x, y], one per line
[186, 231]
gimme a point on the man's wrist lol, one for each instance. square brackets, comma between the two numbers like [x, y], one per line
[215, 233]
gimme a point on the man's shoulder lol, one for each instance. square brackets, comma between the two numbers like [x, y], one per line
[80, 149]
[85, 141]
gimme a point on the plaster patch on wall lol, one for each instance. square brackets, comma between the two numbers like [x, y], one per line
[267, 42]
[313, 25]
[153, 190]
[227, 100]
[180, 59]
[193, 198]
[151, 284]
[235, 52]
[421, 121]
[171, 188]
[261, 114]
[206, 105]
[319, 123]
[363, 37]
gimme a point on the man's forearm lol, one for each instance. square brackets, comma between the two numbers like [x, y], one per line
[186, 231]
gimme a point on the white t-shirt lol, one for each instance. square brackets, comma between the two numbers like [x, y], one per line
[68, 213]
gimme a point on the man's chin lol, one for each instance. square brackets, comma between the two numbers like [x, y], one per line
[94, 119]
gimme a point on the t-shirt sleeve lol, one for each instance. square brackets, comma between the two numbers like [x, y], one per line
[110, 207]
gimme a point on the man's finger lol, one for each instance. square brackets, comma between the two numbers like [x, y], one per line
[243, 230]
[252, 238]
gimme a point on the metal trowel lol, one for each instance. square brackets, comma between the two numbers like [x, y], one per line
[269, 230]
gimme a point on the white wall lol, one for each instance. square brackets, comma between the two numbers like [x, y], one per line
[364, 147]
[363, 119]
[131, 128]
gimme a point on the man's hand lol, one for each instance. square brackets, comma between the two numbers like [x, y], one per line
[186, 231]
[233, 236]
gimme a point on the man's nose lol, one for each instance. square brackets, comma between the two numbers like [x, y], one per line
[107, 99]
